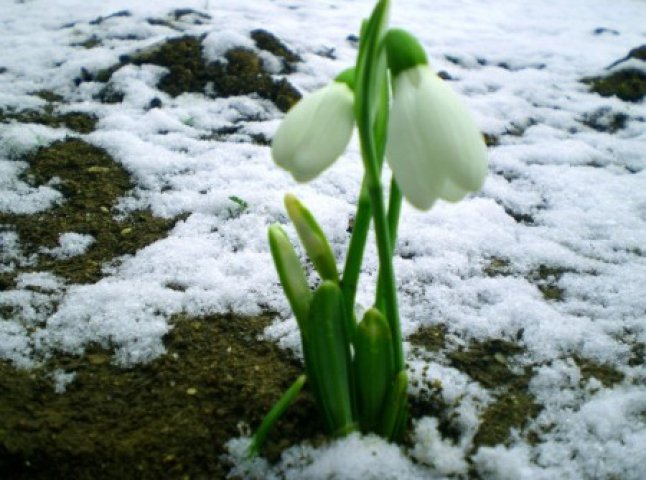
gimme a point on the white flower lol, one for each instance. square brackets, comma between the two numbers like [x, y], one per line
[315, 132]
[434, 148]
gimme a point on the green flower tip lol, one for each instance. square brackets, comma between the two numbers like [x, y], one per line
[347, 76]
[312, 237]
[403, 50]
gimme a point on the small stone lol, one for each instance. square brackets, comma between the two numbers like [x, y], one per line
[500, 358]
[155, 103]
[191, 391]
[97, 358]
[97, 169]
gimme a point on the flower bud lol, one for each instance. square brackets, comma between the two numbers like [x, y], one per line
[434, 147]
[374, 366]
[315, 132]
[330, 358]
[313, 239]
[291, 274]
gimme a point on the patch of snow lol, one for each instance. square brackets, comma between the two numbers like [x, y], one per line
[70, 245]
[355, 456]
[19, 139]
[62, 379]
[218, 42]
[432, 450]
[18, 197]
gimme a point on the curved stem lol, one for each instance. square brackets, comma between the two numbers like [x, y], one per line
[394, 209]
[384, 248]
[354, 259]
[362, 217]
[372, 75]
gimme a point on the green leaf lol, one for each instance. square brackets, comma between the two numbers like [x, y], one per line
[291, 274]
[292, 278]
[370, 89]
[313, 239]
[374, 369]
[371, 65]
[239, 201]
[277, 411]
[393, 420]
[329, 354]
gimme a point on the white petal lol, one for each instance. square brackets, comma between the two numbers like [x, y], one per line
[455, 139]
[434, 148]
[452, 192]
[315, 132]
[417, 176]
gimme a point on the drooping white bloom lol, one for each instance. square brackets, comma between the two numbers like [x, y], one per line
[315, 132]
[434, 148]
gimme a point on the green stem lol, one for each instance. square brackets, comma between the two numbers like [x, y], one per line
[394, 209]
[354, 259]
[372, 74]
[383, 244]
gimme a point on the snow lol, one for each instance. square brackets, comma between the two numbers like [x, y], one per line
[580, 193]
[62, 379]
[432, 450]
[70, 244]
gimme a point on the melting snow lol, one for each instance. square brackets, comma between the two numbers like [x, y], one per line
[560, 194]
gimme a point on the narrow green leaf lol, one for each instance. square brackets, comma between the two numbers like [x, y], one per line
[401, 423]
[277, 411]
[395, 408]
[291, 274]
[313, 239]
[371, 64]
[356, 248]
[374, 371]
[329, 353]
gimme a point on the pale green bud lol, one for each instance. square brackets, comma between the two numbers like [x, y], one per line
[291, 274]
[313, 239]
[374, 366]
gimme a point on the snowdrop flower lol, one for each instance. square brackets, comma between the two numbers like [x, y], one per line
[434, 147]
[315, 132]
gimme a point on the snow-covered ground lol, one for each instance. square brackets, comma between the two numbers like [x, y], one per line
[579, 193]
